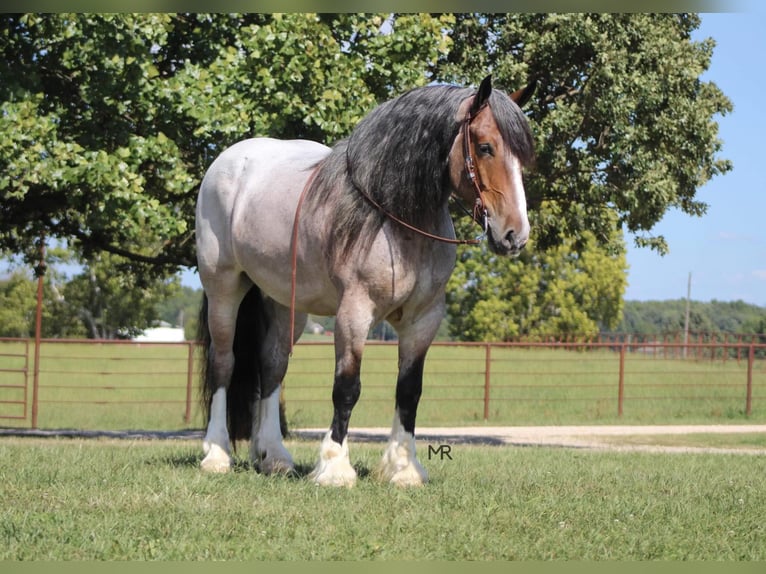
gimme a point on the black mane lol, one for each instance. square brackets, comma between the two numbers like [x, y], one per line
[398, 154]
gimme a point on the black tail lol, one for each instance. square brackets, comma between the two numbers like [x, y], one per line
[245, 385]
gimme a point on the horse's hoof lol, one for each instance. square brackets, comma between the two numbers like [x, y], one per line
[215, 466]
[217, 459]
[409, 477]
[277, 466]
[334, 467]
[401, 467]
[334, 477]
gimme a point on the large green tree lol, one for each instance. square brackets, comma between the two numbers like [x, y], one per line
[625, 127]
[559, 291]
[109, 120]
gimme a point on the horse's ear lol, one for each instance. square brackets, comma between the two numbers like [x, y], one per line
[522, 96]
[485, 89]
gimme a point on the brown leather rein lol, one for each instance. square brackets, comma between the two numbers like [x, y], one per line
[479, 211]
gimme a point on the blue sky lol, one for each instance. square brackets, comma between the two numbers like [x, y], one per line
[725, 250]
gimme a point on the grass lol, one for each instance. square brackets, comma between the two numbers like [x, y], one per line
[106, 386]
[742, 441]
[86, 499]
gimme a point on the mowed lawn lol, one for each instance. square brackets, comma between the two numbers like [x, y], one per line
[117, 386]
[63, 499]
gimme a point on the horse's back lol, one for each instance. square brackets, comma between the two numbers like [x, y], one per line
[256, 158]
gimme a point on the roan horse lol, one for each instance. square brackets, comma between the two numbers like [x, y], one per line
[361, 231]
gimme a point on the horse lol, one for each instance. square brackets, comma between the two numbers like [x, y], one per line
[361, 231]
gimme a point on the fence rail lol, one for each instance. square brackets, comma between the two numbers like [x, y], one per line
[119, 384]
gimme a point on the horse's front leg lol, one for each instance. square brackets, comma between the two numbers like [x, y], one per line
[400, 465]
[351, 326]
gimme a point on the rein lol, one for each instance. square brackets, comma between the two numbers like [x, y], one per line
[294, 268]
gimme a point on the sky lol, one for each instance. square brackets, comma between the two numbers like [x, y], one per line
[724, 250]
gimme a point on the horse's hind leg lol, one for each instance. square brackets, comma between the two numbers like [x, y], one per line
[267, 450]
[224, 292]
[400, 465]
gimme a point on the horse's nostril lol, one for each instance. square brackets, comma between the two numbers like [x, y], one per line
[513, 240]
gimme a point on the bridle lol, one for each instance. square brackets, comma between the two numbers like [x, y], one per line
[479, 207]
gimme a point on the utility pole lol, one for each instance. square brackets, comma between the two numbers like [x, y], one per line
[686, 320]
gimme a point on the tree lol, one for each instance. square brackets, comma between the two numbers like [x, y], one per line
[115, 305]
[100, 302]
[109, 120]
[182, 310]
[559, 291]
[624, 125]
[18, 305]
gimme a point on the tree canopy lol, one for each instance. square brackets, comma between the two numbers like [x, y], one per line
[110, 120]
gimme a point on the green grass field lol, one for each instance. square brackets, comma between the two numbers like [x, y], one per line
[67, 499]
[108, 386]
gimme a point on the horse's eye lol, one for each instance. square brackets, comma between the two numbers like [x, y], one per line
[486, 149]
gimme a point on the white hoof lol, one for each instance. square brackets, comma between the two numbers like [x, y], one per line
[216, 460]
[334, 467]
[400, 466]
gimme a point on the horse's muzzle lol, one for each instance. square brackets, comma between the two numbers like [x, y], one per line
[511, 244]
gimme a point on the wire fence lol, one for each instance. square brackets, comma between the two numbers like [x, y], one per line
[106, 385]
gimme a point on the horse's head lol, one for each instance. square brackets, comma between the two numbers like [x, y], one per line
[486, 161]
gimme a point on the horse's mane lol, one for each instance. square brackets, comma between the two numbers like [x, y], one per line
[398, 154]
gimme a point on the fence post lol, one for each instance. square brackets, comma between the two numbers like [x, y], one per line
[487, 374]
[749, 393]
[621, 383]
[189, 381]
[40, 273]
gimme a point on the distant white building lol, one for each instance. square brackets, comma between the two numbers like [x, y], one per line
[161, 335]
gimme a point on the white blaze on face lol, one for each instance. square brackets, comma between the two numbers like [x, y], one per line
[519, 199]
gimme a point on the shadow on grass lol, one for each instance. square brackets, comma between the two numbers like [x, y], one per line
[193, 460]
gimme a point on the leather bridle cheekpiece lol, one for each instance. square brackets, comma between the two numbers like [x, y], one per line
[479, 207]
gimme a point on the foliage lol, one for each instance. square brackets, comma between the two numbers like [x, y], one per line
[18, 306]
[558, 291]
[182, 310]
[623, 123]
[110, 120]
[96, 303]
[115, 305]
[667, 317]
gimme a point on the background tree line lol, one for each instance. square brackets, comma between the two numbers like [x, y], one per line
[110, 120]
[668, 317]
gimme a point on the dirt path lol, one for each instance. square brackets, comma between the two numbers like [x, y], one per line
[591, 437]
[586, 437]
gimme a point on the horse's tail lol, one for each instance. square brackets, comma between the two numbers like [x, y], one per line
[245, 385]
